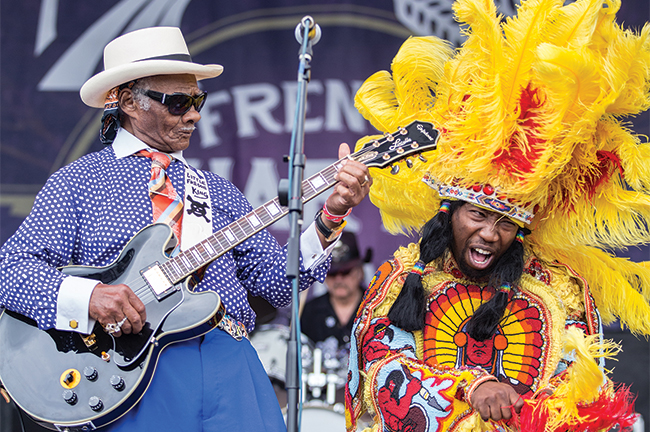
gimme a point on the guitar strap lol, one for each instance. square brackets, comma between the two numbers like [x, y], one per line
[197, 226]
[197, 221]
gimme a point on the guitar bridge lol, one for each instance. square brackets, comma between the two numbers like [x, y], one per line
[90, 341]
[158, 282]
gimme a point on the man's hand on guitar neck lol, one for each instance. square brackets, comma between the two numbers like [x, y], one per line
[110, 304]
[353, 185]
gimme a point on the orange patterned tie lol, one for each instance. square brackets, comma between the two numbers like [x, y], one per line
[166, 204]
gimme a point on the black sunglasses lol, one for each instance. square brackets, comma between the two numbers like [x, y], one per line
[178, 103]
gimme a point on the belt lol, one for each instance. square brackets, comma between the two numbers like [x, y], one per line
[233, 327]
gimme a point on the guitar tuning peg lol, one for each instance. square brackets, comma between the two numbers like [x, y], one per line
[423, 159]
[409, 163]
[394, 169]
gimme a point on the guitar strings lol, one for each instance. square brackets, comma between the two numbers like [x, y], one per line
[144, 291]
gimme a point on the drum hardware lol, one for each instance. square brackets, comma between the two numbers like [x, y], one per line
[317, 380]
[270, 342]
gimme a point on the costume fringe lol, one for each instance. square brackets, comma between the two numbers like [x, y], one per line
[628, 301]
[583, 400]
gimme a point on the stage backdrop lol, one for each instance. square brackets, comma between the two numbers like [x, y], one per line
[50, 47]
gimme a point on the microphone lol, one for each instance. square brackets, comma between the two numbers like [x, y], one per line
[314, 30]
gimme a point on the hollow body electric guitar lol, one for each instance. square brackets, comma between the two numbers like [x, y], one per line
[69, 381]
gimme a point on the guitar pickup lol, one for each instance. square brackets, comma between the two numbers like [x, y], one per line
[157, 281]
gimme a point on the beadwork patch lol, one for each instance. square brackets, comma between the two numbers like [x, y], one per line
[516, 351]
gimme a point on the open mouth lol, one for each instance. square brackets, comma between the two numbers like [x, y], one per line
[480, 257]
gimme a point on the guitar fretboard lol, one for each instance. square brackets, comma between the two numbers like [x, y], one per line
[414, 138]
[206, 251]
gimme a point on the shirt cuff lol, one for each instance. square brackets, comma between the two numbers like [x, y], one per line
[312, 251]
[72, 305]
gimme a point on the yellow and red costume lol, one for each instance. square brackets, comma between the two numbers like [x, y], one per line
[442, 362]
[530, 113]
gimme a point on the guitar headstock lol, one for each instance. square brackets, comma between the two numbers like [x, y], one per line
[413, 139]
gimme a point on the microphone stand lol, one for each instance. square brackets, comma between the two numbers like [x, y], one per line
[307, 33]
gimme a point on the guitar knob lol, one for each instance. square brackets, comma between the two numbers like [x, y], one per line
[90, 373]
[117, 382]
[394, 169]
[409, 163]
[70, 397]
[95, 403]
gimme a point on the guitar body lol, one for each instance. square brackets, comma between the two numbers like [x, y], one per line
[37, 367]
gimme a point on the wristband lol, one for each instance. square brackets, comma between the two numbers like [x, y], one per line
[474, 385]
[330, 234]
[335, 218]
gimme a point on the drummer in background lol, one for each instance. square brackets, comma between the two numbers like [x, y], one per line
[327, 320]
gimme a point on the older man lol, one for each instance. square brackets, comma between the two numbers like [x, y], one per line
[88, 211]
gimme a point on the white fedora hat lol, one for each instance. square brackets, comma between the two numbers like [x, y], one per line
[141, 53]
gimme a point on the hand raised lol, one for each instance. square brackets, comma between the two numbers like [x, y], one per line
[354, 184]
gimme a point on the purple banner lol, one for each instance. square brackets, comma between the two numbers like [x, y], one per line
[50, 47]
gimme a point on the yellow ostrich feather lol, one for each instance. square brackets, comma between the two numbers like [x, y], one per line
[620, 222]
[485, 42]
[576, 73]
[572, 79]
[606, 28]
[585, 376]
[376, 101]
[390, 101]
[480, 64]
[635, 159]
[572, 92]
[573, 26]
[522, 34]
[416, 75]
[584, 382]
[620, 287]
[627, 73]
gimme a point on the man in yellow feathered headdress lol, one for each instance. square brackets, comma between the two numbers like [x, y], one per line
[493, 320]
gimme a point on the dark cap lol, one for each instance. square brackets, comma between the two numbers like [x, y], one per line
[345, 254]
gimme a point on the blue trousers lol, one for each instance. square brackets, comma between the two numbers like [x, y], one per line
[208, 384]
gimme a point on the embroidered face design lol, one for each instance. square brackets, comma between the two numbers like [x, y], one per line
[377, 341]
[513, 353]
[479, 353]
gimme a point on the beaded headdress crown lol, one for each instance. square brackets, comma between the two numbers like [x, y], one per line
[530, 113]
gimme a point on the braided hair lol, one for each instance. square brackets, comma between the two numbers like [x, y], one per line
[407, 312]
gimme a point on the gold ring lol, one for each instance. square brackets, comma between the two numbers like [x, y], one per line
[365, 180]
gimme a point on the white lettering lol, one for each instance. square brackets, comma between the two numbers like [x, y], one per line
[339, 105]
[256, 102]
[254, 106]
